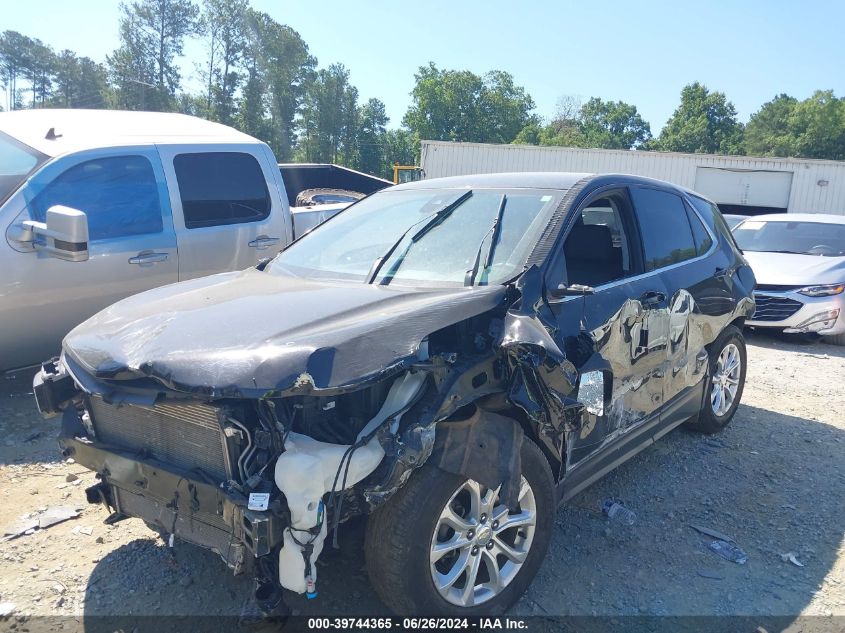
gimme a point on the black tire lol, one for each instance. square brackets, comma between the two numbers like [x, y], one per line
[399, 536]
[707, 421]
[834, 339]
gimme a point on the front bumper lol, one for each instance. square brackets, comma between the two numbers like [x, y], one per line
[822, 315]
[176, 502]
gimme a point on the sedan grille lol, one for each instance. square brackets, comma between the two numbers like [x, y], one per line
[773, 308]
[187, 436]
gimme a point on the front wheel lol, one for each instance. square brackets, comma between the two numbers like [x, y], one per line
[725, 381]
[834, 339]
[445, 545]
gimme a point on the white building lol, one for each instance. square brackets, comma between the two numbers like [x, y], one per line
[739, 184]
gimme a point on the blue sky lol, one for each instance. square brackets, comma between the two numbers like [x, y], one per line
[641, 52]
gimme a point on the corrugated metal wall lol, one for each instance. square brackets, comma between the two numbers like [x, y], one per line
[818, 186]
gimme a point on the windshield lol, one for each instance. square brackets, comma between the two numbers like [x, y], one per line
[429, 237]
[17, 161]
[803, 238]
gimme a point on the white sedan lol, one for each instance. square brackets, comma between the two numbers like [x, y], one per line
[799, 262]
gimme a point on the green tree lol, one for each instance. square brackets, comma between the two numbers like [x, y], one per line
[453, 105]
[79, 82]
[39, 68]
[612, 125]
[279, 69]
[152, 35]
[372, 137]
[223, 24]
[817, 125]
[530, 134]
[13, 63]
[329, 117]
[705, 122]
[402, 147]
[768, 131]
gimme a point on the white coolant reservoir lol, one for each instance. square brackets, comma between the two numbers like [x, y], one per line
[304, 473]
[308, 468]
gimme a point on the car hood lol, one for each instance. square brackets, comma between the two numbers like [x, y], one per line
[249, 333]
[788, 269]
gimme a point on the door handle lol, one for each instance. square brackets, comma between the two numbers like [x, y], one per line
[264, 241]
[721, 273]
[652, 299]
[147, 257]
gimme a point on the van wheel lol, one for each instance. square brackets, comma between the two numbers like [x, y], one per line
[725, 382]
[445, 545]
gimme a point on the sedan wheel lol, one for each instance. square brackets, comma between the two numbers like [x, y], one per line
[479, 546]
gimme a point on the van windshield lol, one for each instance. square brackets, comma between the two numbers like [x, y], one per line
[17, 162]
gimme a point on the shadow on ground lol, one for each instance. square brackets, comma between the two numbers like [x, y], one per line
[775, 483]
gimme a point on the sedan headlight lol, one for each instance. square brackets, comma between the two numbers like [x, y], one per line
[823, 291]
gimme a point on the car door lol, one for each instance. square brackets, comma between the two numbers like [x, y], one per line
[675, 245]
[132, 247]
[225, 217]
[619, 337]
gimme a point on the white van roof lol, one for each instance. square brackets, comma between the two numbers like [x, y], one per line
[55, 132]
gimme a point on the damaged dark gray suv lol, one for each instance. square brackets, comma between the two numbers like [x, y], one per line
[451, 357]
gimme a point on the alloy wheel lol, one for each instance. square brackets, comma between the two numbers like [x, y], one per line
[725, 380]
[479, 545]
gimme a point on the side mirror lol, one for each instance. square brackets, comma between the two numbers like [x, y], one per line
[64, 235]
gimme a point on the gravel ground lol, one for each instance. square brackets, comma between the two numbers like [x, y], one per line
[774, 481]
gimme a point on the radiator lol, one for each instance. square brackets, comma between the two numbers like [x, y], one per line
[187, 436]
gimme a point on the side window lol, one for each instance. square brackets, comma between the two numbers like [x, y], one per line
[702, 238]
[119, 195]
[598, 248]
[711, 214]
[665, 229]
[220, 188]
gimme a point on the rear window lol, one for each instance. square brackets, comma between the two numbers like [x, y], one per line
[219, 188]
[665, 229]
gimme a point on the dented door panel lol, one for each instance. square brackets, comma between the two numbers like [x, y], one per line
[630, 338]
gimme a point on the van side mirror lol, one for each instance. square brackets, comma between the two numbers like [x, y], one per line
[64, 235]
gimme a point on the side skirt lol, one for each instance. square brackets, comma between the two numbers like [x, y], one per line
[653, 428]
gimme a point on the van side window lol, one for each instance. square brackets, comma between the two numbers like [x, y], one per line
[219, 188]
[702, 238]
[664, 226]
[119, 195]
[598, 248]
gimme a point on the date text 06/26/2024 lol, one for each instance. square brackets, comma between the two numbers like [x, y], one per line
[418, 624]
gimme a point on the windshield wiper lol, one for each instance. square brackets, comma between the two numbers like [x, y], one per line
[431, 221]
[495, 229]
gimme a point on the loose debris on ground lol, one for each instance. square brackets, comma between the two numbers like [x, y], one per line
[772, 485]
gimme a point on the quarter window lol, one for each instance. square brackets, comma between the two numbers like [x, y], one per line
[119, 194]
[219, 188]
[702, 238]
[664, 226]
